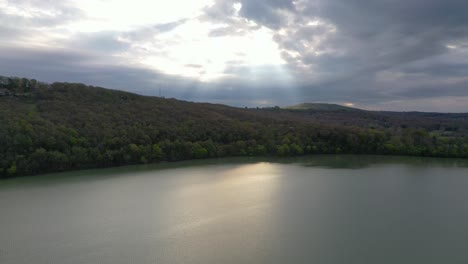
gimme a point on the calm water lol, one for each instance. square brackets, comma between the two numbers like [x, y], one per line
[324, 209]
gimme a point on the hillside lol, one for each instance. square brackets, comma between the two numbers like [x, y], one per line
[322, 107]
[63, 126]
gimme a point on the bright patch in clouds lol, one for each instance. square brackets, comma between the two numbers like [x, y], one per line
[196, 54]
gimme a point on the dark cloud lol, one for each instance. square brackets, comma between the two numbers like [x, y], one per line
[263, 12]
[266, 12]
[376, 35]
[72, 66]
[98, 42]
[351, 42]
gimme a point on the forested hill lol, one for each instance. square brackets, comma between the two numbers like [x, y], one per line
[321, 107]
[63, 126]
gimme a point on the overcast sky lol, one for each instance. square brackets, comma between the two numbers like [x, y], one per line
[380, 54]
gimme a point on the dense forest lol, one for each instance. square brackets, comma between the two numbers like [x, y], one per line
[66, 126]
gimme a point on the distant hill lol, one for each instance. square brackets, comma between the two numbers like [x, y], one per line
[68, 126]
[321, 107]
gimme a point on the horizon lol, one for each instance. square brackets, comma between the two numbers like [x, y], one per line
[248, 53]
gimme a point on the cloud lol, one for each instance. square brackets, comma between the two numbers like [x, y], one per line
[37, 13]
[149, 31]
[98, 42]
[390, 54]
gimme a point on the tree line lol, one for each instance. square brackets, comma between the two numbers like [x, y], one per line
[66, 126]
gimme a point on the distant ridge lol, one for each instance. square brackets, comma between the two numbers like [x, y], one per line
[322, 107]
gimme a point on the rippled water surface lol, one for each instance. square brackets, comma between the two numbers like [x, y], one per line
[321, 209]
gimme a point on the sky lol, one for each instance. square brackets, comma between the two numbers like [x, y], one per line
[380, 55]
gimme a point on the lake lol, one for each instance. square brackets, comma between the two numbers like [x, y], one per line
[319, 209]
